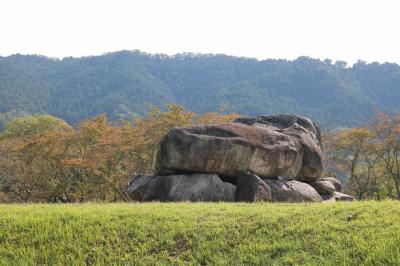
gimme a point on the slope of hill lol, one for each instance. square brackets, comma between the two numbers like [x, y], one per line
[124, 84]
[357, 233]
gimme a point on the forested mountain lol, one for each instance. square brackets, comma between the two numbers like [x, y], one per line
[124, 84]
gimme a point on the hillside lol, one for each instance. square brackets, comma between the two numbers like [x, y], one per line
[359, 233]
[124, 84]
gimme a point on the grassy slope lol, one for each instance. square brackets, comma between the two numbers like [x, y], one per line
[204, 233]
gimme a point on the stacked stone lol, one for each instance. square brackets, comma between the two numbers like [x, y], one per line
[266, 158]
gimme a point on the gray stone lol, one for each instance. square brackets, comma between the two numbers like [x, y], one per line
[335, 182]
[337, 196]
[342, 197]
[323, 187]
[251, 188]
[191, 187]
[138, 187]
[292, 191]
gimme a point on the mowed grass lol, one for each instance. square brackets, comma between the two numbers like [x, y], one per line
[366, 233]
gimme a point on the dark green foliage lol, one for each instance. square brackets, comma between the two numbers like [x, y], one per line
[124, 84]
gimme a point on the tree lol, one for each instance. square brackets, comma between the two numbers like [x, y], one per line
[44, 159]
[214, 118]
[34, 124]
[369, 156]
[354, 152]
[32, 168]
[387, 128]
[122, 84]
[31, 165]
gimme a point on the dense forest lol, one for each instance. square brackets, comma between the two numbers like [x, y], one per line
[126, 84]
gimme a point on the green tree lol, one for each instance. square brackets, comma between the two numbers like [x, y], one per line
[34, 124]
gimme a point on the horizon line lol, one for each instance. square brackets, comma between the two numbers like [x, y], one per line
[200, 54]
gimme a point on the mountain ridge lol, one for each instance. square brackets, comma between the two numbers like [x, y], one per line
[123, 84]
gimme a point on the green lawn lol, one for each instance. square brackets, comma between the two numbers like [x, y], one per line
[201, 234]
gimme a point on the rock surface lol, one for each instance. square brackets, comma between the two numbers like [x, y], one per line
[335, 182]
[292, 191]
[139, 189]
[304, 131]
[323, 187]
[338, 196]
[266, 158]
[209, 187]
[268, 146]
[251, 188]
[192, 187]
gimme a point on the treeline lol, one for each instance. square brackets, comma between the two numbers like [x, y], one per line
[367, 158]
[123, 84]
[43, 159]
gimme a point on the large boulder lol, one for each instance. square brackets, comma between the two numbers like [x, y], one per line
[191, 187]
[251, 188]
[292, 191]
[268, 146]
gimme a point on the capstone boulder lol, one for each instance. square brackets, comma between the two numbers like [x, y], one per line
[268, 146]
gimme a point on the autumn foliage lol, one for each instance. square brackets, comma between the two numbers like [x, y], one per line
[367, 158]
[42, 159]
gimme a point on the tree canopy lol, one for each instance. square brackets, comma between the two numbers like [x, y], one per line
[44, 159]
[34, 124]
[124, 84]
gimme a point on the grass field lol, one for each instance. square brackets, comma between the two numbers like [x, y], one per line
[357, 233]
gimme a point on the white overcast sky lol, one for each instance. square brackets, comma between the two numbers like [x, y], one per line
[338, 29]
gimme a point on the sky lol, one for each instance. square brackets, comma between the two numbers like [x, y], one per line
[340, 30]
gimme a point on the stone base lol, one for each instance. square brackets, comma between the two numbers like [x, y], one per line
[246, 188]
